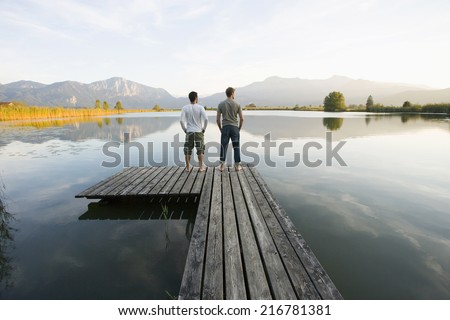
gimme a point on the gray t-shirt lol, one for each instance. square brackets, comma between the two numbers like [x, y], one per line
[229, 110]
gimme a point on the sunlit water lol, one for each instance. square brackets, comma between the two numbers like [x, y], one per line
[377, 218]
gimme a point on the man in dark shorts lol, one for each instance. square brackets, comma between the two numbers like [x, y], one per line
[193, 122]
[229, 126]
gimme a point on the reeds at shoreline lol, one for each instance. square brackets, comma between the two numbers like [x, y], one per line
[18, 111]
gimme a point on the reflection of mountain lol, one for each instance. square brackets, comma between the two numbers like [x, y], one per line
[333, 124]
[293, 125]
[282, 125]
[110, 129]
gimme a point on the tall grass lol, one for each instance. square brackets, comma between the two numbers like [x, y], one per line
[20, 111]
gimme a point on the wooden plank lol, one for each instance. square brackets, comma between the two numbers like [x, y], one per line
[172, 181]
[115, 183]
[300, 280]
[319, 277]
[257, 285]
[191, 284]
[213, 279]
[278, 279]
[234, 272]
[144, 172]
[116, 189]
[187, 185]
[102, 184]
[160, 185]
[197, 186]
[147, 178]
[154, 182]
[181, 181]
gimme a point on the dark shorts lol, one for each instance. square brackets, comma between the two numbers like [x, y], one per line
[194, 139]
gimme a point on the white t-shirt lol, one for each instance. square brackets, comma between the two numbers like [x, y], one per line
[193, 118]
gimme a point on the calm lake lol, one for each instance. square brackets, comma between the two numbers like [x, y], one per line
[373, 203]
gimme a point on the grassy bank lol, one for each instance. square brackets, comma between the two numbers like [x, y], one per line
[20, 111]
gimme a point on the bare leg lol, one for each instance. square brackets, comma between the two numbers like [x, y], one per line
[201, 158]
[188, 162]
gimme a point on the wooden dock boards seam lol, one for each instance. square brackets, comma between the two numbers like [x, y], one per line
[254, 276]
[147, 171]
[298, 277]
[279, 282]
[101, 183]
[192, 282]
[152, 183]
[147, 179]
[319, 278]
[235, 288]
[213, 277]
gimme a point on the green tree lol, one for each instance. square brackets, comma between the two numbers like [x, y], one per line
[407, 104]
[105, 105]
[157, 107]
[97, 104]
[118, 106]
[335, 101]
[369, 103]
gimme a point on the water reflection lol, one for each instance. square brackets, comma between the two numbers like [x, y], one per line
[333, 124]
[154, 208]
[294, 126]
[390, 205]
[108, 129]
[6, 242]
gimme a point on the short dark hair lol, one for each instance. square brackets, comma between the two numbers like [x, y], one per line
[192, 96]
[229, 91]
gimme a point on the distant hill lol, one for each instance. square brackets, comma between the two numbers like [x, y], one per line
[418, 97]
[276, 91]
[273, 91]
[76, 94]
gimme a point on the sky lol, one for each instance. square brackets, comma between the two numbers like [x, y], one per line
[207, 46]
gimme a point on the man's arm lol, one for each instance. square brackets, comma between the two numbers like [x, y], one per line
[204, 118]
[219, 123]
[183, 120]
[241, 119]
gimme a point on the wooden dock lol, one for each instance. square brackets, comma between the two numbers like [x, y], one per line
[243, 245]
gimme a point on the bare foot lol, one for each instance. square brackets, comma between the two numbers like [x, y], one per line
[222, 166]
[238, 167]
[202, 169]
[188, 169]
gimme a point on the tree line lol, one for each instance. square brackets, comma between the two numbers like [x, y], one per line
[335, 102]
[408, 107]
[98, 105]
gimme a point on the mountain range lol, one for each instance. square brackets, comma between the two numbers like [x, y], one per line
[273, 91]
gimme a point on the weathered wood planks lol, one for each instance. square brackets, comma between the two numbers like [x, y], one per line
[147, 181]
[191, 284]
[243, 244]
